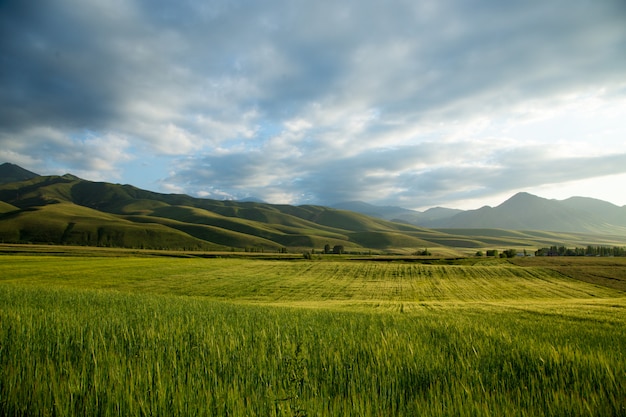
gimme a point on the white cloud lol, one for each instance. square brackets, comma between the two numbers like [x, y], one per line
[48, 150]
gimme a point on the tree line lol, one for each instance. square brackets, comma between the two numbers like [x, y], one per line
[559, 251]
[509, 253]
[588, 251]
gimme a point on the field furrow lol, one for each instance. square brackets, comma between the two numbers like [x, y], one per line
[299, 281]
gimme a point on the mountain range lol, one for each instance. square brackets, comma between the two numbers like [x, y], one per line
[398, 213]
[523, 211]
[70, 210]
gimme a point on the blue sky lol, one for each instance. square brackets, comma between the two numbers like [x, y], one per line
[408, 103]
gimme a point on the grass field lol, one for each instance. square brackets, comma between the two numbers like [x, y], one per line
[94, 335]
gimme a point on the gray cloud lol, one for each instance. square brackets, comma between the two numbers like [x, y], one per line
[402, 102]
[427, 174]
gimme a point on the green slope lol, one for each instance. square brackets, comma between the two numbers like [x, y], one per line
[69, 210]
[227, 238]
[390, 240]
[533, 238]
[224, 223]
[67, 223]
[6, 207]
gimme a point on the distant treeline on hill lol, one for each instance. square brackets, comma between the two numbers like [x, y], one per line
[588, 251]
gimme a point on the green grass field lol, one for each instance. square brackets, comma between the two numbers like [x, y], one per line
[95, 335]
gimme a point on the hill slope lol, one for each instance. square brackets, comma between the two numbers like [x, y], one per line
[68, 210]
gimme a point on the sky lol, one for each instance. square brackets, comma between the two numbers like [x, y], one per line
[416, 103]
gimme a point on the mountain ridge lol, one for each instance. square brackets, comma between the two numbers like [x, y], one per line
[522, 211]
[525, 211]
[10, 173]
[69, 210]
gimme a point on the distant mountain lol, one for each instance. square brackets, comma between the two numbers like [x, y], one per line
[431, 215]
[525, 211]
[398, 213]
[609, 213]
[383, 212]
[11, 173]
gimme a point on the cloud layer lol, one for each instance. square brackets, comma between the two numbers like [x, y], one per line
[407, 103]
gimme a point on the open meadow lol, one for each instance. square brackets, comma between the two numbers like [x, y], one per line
[141, 335]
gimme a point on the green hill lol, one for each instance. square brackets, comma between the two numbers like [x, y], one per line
[6, 207]
[68, 210]
[67, 223]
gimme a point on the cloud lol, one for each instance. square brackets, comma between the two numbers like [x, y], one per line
[53, 151]
[426, 174]
[294, 101]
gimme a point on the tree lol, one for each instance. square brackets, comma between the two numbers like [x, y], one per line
[338, 249]
[327, 248]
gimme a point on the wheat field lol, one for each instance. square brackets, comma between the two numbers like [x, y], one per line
[131, 336]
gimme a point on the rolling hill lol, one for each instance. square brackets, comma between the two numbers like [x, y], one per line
[69, 210]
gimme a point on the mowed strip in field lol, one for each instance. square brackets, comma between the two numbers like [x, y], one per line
[275, 281]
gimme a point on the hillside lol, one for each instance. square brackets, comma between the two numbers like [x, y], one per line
[5, 207]
[69, 210]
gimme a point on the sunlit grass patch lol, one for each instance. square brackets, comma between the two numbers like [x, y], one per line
[301, 281]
